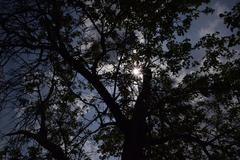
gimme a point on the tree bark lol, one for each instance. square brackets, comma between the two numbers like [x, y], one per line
[54, 149]
[133, 147]
[135, 137]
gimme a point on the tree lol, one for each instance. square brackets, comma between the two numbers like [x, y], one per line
[68, 75]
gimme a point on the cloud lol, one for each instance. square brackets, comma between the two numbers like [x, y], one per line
[210, 28]
[106, 68]
[91, 150]
[220, 8]
[215, 21]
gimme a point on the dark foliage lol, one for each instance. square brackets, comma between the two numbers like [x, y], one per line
[68, 82]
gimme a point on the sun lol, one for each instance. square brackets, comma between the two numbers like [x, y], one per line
[136, 71]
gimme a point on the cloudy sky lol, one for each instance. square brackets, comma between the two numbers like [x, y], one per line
[211, 23]
[203, 25]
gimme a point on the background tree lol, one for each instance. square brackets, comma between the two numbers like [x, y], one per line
[69, 78]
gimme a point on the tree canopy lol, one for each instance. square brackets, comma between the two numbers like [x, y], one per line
[119, 76]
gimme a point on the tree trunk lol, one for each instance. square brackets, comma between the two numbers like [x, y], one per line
[133, 148]
[134, 143]
[54, 149]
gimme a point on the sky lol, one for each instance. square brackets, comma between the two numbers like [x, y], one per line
[211, 23]
[203, 25]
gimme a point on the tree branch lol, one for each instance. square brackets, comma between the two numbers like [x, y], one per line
[184, 137]
[56, 40]
[54, 149]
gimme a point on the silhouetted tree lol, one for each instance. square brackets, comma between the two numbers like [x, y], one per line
[69, 80]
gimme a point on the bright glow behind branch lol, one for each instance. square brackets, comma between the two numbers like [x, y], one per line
[136, 72]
